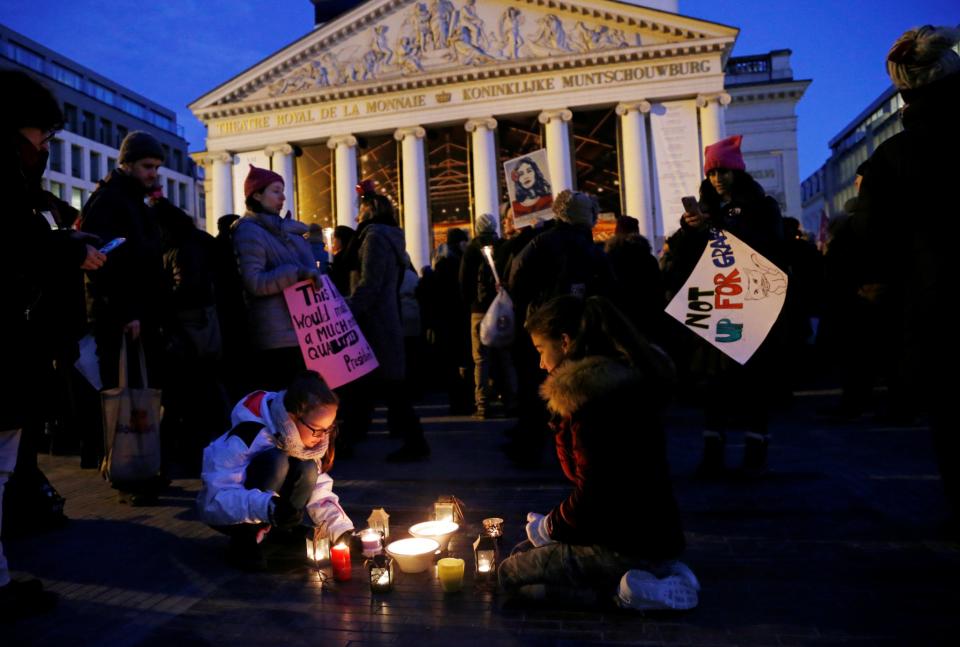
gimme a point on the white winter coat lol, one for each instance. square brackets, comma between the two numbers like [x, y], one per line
[223, 499]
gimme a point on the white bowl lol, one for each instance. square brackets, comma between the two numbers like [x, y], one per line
[413, 555]
[439, 531]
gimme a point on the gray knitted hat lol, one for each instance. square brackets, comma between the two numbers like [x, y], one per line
[140, 144]
[575, 208]
[485, 224]
[923, 55]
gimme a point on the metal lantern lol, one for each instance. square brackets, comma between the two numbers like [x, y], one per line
[379, 520]
[485, 556]
[380, 572]
[448, 508]
[318, 547]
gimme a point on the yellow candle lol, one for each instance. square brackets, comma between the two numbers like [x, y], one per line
[450, 571]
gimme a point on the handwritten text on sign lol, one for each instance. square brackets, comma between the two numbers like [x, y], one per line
[330, 340]
[732, 298]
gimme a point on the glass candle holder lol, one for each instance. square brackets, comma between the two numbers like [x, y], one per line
[372, 542]
[493, 527]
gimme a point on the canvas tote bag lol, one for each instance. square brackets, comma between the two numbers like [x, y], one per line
[131, 426]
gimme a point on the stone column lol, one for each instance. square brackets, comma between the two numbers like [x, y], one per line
[283, 164]
[345, 171]
[222, 186]
[558, 148]
[712, 125]
[486, 197]
[637, 189]
[416, 217]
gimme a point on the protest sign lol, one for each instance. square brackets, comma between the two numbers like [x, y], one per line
[528, 184]
[732, 298]
[330, 339]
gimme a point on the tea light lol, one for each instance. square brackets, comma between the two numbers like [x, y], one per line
[371, 541]
[485, 555]
[340, 559]
[450, 572]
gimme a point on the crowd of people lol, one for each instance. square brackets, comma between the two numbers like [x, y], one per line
[594, 361]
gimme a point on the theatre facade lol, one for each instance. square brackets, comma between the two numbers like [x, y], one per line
[429, 100]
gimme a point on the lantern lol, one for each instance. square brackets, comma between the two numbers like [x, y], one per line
[448, 508]
[379, 520]
[485, 556]
[380, 572]
[318, 547]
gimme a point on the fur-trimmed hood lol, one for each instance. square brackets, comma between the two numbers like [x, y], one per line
[576, 382]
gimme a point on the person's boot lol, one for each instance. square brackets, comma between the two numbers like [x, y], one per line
[714, 445]
[244, 551]
[754, 454]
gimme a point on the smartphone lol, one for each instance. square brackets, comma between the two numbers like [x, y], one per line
[690, 204]
[112, 245]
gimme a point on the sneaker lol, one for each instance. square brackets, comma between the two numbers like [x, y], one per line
[410, 453]
[20, 599]
[644, 591]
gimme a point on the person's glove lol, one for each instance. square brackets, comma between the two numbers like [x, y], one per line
[309, 274]
[538, 529]
[283, 514]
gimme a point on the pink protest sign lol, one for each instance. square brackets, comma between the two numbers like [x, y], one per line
[330, 339]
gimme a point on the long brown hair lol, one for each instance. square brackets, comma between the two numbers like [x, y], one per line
[306, 393]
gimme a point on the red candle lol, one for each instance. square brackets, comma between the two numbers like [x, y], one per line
[340, 559]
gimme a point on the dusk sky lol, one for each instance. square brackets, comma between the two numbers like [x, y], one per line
[173, 52]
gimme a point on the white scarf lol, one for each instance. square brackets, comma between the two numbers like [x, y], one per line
[288, 436]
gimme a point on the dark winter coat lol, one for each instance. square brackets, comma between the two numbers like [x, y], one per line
[611, 445]
[752, 216]
[129, 285]
[374, 298]
[641, 294]
[907, 216]
[562, 260]
[477, 284]
[38, 258]
[272, 255]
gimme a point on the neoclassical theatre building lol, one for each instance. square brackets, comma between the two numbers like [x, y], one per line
[429, 97]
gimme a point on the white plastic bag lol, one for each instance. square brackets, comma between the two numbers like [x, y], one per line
[497, 325]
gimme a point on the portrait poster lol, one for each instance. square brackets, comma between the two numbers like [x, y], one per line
[732, 298]
[330, 339]
[528, 184]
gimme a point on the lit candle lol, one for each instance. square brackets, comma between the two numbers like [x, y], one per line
[340, 559]
[371, 542]
[450, 572]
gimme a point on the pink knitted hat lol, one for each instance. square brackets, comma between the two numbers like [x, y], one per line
[259, 179]
[724, 154]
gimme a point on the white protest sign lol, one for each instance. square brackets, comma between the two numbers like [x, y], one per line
[330, 339]
[732, 298]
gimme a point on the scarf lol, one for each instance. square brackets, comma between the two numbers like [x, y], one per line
[288, 436]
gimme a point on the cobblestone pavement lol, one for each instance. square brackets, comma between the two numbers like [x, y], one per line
[838, 544]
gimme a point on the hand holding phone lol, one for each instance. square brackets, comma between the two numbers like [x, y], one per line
[112, 245]
[692, 215]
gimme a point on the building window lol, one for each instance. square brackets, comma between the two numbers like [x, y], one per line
[166, 154]
[56, 155]
[171, 191]
[183, 196]
[111, 164]
[102, 93]
[121, 134]
[106, 132]
[66, 76]
[76, 161]
[70, 119]
[94, 166]
[26, 57]
[178, 161]
[56, 188]
[89, 126]
[132, 107]
[76, 198]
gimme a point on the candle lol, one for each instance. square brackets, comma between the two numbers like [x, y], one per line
[371, 542]
[450, 572]
[493, 526]
[340, 558]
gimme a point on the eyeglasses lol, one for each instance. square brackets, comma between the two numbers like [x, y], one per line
[317, 432]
